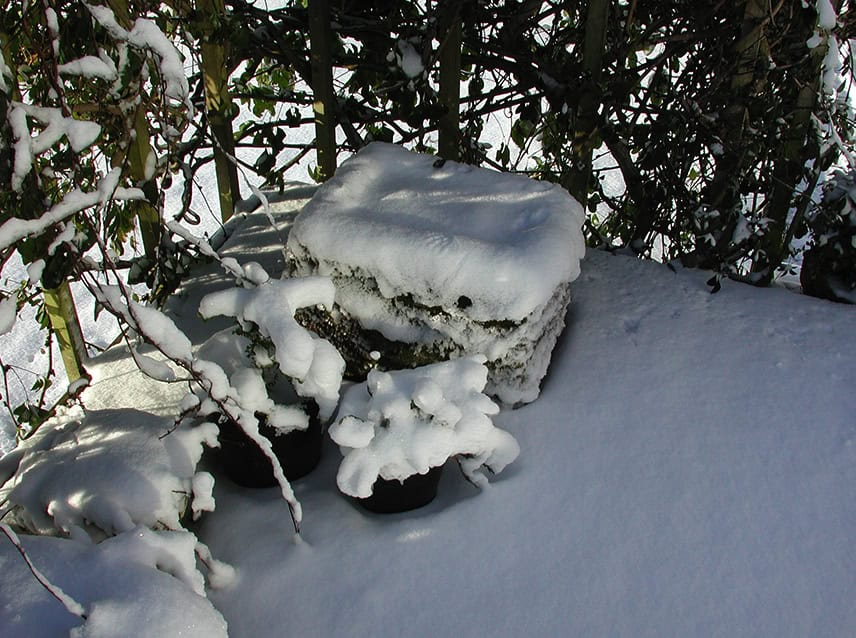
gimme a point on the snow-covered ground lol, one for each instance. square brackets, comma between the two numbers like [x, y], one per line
[688, 470]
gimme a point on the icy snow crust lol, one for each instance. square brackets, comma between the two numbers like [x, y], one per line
[437, 234]
[402, 423]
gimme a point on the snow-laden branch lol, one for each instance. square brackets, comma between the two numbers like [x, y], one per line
[160, 331]
[15, 229]
[145, 35]
[90, 66]
[231, 266]
[80, 134]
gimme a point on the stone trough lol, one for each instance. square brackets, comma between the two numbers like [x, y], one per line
[433, 259]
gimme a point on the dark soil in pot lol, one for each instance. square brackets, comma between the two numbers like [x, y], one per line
[299, 452]
[390, 497]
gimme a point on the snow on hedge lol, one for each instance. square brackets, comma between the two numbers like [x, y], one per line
[458, 259]
[402, 423]
[108, 472]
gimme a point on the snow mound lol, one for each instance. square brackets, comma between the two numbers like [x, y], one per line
[440, 233]
[108, 472]
[453, 258]
[140, 583]
[402, 423]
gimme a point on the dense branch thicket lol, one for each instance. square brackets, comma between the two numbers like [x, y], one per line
[697, 131]
[717, 120]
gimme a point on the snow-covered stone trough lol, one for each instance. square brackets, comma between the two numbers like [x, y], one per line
[435, 259]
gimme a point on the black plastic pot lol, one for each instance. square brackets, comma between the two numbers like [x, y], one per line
[390, 497]
[299, 452]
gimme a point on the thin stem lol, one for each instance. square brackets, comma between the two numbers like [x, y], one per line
[71, 605]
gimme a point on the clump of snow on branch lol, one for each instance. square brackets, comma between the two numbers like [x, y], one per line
[313, 364]
[152, 324]
[231, 352]
[408, 59]
[402, 423]
[145, 35]
[827, 20]
[90, 66]
[79, 133]
[8, 313]
[108, 472]
[827, 16]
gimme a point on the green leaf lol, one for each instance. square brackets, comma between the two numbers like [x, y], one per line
[521, 131]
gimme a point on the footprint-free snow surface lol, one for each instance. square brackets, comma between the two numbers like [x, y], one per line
[688, 470]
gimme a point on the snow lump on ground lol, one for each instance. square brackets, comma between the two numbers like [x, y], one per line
[141, 583]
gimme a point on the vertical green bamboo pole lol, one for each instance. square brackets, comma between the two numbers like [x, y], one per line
[140, 154]
[320, 38]
[585, 125]
[218, 106]
[66, 326]
[450, 87]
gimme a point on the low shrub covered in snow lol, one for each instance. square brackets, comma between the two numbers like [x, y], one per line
[243, 368]
[397, 424]
[107, 472]
[312, 364]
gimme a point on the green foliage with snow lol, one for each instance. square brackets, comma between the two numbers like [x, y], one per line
[829, 264]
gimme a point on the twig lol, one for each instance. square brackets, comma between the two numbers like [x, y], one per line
[71, 605]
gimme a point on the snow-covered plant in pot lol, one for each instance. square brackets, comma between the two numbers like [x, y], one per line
[287, 378]
[397, 430]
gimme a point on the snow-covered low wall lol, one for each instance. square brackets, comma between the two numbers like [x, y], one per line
[433, 259]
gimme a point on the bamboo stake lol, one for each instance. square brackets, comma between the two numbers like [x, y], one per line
[450, 88]
[321, 58]
[218, 107]
[66, 326]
